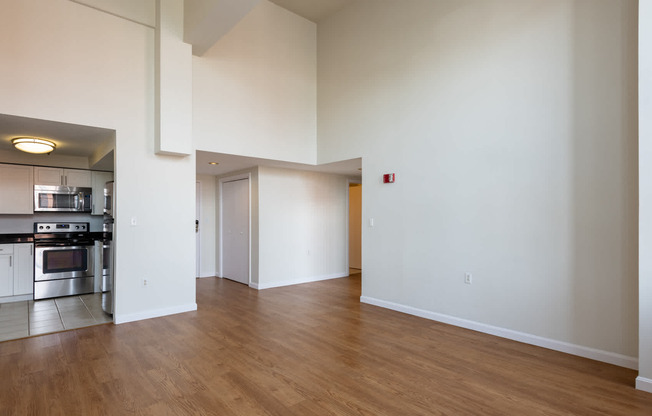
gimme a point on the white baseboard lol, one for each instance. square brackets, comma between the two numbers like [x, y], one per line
[644, 384]
[155, 313]
[579, 350]
[281, 283]
[18, 298]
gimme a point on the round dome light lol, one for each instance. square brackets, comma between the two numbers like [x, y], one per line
[33, 145]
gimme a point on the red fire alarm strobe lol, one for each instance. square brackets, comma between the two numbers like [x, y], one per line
[388, 178]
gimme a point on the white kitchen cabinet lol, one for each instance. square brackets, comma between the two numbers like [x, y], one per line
[23, 269]
[57, 176]
[77, 177]
[98, 180]
[16, 269]
[16, 189]
[6, 270]
[48, 176]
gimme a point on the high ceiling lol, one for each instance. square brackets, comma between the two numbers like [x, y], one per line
[314, 10]
[83, 141]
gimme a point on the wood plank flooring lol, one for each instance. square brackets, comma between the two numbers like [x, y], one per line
[310, 349]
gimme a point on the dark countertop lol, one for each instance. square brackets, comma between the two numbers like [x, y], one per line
[29, 238]
[99, 235]
[16, 238]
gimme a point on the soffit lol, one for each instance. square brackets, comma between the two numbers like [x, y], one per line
[314, 10]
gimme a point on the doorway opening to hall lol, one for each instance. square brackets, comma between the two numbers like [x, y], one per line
[355, 229]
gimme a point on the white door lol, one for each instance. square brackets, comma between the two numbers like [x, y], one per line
[235, 230]
[197, 230]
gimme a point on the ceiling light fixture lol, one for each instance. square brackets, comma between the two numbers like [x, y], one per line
[213, 163]
[33, 145]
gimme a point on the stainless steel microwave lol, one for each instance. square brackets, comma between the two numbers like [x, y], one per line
[62, 199]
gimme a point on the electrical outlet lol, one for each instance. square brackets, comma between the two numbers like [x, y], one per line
[468, 278]
[145, 282]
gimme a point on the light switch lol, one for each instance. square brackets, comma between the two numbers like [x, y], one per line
[134, 221]
[371, 222]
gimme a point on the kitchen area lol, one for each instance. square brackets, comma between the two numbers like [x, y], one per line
[56, 227]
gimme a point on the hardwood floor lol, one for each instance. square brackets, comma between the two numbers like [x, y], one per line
[310, 349]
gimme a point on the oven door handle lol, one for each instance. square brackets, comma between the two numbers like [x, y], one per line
[77, 244]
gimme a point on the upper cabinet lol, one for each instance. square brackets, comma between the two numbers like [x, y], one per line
[99, 179]
[66, 177]
[16, 189]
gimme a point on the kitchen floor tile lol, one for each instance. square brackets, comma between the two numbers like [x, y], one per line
[13, 316]
[79, 323]
[68, 301]
[12, 305]
[40, 324]
[79, 313]
[22, 319]
[37, 305]
[101, 317]
[14, 335]
[43, 319]
[44, 316]
[47, 329]
[12, 327]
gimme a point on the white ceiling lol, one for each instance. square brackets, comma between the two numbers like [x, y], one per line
[314, 10]
[232, 163]
[71, 139]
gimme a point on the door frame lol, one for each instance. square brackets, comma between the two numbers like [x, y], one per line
[348, 222]
[220, 241]
[198, 233]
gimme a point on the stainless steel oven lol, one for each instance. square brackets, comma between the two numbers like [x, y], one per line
[63, 260]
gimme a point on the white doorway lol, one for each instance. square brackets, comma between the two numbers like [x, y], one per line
[197, 230]
[355, 228]
[235, 230]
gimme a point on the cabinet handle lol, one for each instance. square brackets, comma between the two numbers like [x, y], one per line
[62, 180]
[10, 261]
[31, 253]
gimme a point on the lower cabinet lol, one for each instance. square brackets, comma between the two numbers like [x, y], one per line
[16, 269]
[6, 269]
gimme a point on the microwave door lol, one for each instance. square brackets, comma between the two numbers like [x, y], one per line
[45, 201]
[56, 202]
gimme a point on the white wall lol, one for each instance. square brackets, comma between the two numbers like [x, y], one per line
[644, 380]
[74, 64]
[140, 11]
[511, 127]
[12, 156]
[302, 220]
[254, 92]
[208, 225]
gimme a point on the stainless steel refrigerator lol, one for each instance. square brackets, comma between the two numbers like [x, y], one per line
[108, 250]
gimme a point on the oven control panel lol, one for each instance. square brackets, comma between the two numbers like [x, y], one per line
[61, 227]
